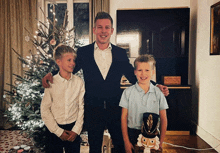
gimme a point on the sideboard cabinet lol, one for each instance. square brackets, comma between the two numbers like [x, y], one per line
[179, 112]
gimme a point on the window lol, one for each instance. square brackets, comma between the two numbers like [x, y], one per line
[81, 21]
[78, 16]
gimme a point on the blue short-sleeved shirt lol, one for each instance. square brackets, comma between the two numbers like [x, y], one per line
[137, 102]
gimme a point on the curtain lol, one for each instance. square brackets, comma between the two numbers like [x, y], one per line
[95, 7]
[15, 16]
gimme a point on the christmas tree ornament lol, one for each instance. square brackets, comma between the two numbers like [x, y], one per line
[53, 42]
[27, 38]
[52, 2]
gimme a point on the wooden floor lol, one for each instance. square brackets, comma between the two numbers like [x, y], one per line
[190, 141]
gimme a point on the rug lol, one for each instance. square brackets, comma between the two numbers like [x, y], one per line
[11, 138]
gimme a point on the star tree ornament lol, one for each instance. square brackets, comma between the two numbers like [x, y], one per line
[52, 2]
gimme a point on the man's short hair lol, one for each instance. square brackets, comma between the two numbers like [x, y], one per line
[146, 58]
[103, 15]
[62, 49]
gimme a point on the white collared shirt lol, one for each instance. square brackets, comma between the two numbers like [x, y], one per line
[63, 103]
[103, 59]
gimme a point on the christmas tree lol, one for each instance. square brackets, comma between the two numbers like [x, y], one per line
[25, 98]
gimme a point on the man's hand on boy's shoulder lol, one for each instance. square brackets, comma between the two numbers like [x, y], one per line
[46, 78]
[72, 135]
[164, 89]
[64, 136]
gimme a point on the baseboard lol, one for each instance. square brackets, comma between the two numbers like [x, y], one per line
[208, 138]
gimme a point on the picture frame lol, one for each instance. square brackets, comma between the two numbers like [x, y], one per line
[215, 29]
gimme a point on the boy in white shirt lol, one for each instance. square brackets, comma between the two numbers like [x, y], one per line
[62, 107]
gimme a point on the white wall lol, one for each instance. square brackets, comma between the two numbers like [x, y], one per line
[207, 78]
[204, 69]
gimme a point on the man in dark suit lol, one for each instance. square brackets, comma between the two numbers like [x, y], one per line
[103, 65]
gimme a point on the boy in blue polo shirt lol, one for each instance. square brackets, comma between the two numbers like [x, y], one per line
[141, 98]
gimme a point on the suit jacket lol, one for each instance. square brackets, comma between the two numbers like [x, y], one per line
[99, 90]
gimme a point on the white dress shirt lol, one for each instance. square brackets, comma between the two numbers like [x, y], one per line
[63, 103]
[103, 59]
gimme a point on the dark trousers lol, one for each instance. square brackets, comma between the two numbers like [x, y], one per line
[97, 120]
[133, 136]
[56, 145]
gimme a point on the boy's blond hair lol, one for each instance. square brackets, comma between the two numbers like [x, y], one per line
[146, 58]
[62, 49]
